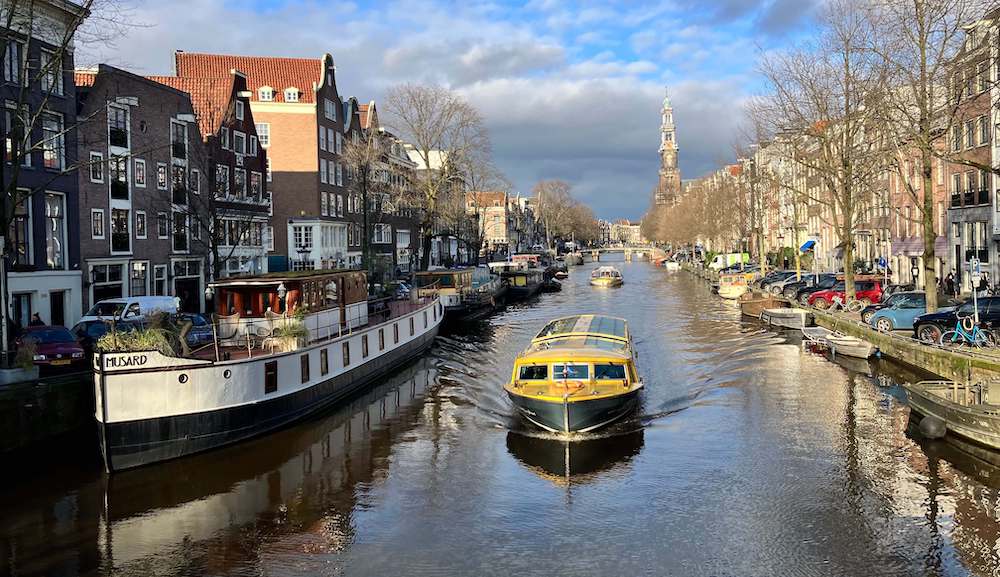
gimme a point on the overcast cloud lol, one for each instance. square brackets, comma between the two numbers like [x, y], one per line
[569, 90]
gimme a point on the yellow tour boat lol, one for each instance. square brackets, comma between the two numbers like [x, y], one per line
[577, 375]
[606, 276]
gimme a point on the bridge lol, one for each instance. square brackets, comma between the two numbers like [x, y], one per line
[637, 252]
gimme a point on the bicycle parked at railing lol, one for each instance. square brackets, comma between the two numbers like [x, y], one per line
[967, 331]
[852, 306]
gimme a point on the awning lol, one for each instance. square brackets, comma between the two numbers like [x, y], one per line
[807, 245]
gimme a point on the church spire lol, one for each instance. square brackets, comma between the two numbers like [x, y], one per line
[670, 179]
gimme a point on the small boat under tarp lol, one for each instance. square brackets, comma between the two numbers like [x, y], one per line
[752, 304]
[789, 318]
[839, 344]
[971, 412]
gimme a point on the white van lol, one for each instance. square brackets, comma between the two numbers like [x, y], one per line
[130, 308]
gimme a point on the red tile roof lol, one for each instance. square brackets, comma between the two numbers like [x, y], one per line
[276, 72]
[84, 77]
[209, 96]
[485, 198]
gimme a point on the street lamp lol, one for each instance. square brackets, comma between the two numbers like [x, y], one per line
[209, 297]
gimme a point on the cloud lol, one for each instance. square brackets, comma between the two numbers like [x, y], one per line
[567, 90]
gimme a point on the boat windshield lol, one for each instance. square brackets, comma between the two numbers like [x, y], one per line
[609, 371]
[444, 280]
[567, 371]
[534, 373]
[580, 342]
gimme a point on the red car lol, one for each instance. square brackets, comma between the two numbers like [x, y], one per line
[54, 346]
[868, 292]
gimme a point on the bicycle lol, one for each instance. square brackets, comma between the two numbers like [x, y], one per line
[966, 331]
[852, 306]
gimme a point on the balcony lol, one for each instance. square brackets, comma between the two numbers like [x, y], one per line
[968, 197]
[178, 150]
[984, 196]
[118, 137]
[119, 190]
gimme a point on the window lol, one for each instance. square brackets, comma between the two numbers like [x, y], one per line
[96, 223]
[956, 137]
[221, 180]
[140, 224]
[253, 146]
[382, 233]
[329, 109]
[984, 131]
[265, 94]
[322, 138]
[239, 110]
[120, 239]
[264, 134]
[53, 145]
[395, 333]
[224, 134]
[20, 228]
[118, 173]
[302, 236]
[118, 126]
[270, 238]
[160, 279]
[137, 278]
[381, 339]
[304, 367]
[340, 143]
[364, 346]
[291, 94]
[55, 231]
[51, 64]
[161, 176]
[180, 236]
[13, 61]
[411, 326]
[533, 373]
[330, 139]
[96, 167]
[240, 180]
[970, 133]
[565, 371]
[983, 76]
[256, 192]
[340, 205]
[324, 362]
[340, 175]
[179, 181]
[15, 141]
[239, 142]
[195, 181]
[178, 139]
[346, 347]
[331, 173]
[956, 231]
[323, 210]
[139, 173]
[162, 225]
[323, 170]
[270, 377]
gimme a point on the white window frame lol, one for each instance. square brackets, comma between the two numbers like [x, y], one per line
[242, 137]
[323, 170]
[270, 238]
[267, 168]
[253, 145]
[330, 109]
[135, 173]
[145, 222]
[196, 179]
[170, 224]
[96, 159]
[239, 110]
[166, 176]
[224, 134]
[331, 140]
[291, 94]
[99, 212]
[340, 143]
[264, 136]
[322, 138]
[340, 175]
[265, 94]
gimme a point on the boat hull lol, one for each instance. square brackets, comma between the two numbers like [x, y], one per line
[787, 318]
[523, 292]
[733, 292]
[961, 421]
[752, 305]
[609, 283]
[577, 416]
[134, 443]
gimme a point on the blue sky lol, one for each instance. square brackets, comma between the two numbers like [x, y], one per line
[569, 90]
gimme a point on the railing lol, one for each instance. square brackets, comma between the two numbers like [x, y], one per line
[956, 199]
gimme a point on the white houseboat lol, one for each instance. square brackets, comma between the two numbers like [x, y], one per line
[287, 345]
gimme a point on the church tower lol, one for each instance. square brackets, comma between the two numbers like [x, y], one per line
[669, 185]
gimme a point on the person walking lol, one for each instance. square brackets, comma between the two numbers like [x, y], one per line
[949, 284]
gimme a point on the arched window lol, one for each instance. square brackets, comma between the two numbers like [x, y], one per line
[291, 94]
[265, 94]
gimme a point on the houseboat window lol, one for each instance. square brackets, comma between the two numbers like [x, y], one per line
[609, 372]
[304, 365]
[425, 319]
[270, 377]
[411, 326]
[381, 339]
[570, 372]
[347, 353]
[330, 296]
[395, 333]
[364, 346]
[324, 362]
[534, 373]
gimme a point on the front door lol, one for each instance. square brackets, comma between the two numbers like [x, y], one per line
[187, 290]
[57, 308]
[22, 309]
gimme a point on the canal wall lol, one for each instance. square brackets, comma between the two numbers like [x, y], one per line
[38, 411]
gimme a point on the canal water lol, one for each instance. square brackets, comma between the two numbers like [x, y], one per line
[748, 456]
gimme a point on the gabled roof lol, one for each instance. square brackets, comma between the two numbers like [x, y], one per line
[278, 73]
[367, 115]
[487, 198]
[209, 96]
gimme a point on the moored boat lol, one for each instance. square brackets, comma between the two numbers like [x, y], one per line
[288, 345]
[970, 412]
[791, 318]
[672, 265]
[850, 346]
[752, 304]
[577, 375]
[606, 276]
[522, 281]
[465, 293]
[732, 286]
[574, 258]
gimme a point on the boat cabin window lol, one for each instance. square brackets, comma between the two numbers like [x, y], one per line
[534, 373]
[575, 372]
[609, 372]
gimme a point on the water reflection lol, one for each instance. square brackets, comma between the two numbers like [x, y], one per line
[574, 461]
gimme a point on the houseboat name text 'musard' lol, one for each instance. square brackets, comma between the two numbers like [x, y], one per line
[265, 369]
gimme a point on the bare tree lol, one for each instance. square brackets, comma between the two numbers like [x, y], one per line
[443, 129]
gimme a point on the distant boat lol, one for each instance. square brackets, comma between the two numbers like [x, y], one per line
[606, 276]
[577, 375]
[788, 318]
[672, 265]
[970, 412]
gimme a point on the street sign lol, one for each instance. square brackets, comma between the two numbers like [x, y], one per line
[975, 272]
[881, 262]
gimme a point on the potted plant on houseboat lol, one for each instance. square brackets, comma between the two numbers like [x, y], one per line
[24, 367]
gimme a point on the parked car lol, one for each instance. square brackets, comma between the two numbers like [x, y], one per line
[130, 308]
[791, 289]
[930, 326]
[865, 291]
[888, 300]
[201, 332]
[55, 346]
[897, 288]
[825, 283]
[897, 312]
[778, 277]
[778, 287]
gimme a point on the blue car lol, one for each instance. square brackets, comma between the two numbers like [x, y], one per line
[900, 311]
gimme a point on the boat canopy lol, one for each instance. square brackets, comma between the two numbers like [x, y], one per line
[593, 325]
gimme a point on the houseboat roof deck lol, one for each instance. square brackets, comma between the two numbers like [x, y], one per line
[585, 325]
[278, 277]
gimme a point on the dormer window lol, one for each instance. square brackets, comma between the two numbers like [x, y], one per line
[291, 94]
[265, 94]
